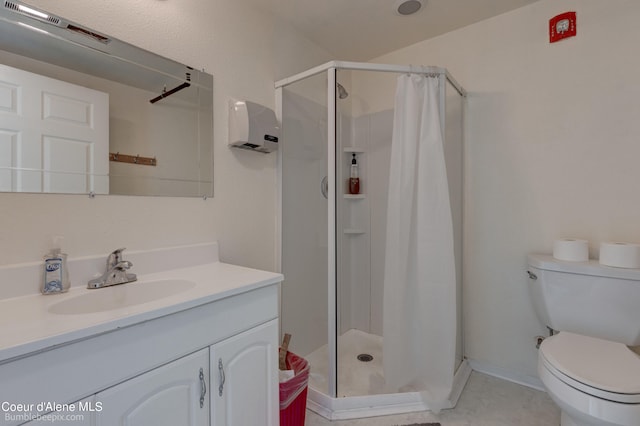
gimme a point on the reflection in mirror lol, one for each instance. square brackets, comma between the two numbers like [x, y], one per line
[82, 112]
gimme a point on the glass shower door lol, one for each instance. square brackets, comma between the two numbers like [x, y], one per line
[364, 124]
[305, 223]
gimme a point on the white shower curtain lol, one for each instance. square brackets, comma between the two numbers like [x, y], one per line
[419, 310]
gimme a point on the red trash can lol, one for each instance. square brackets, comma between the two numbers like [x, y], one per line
[293, 392]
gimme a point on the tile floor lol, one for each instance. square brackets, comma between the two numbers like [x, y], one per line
[485, 401]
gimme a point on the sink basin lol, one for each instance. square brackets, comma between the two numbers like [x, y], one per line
[120, 296]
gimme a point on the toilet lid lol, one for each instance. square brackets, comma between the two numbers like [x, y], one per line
[600, 364]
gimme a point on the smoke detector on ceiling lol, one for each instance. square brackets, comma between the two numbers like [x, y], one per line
[408, 7]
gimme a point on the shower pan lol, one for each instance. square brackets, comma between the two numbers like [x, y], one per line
[332, 243]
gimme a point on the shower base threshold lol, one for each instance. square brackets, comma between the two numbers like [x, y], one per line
[355, 407]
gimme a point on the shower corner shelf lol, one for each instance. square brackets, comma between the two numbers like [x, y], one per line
[354, 196]
[354, 231]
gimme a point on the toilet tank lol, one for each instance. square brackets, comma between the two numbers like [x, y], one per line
[586, 298]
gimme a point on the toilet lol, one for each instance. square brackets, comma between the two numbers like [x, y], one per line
[591, 365]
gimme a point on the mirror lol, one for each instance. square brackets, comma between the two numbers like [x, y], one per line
[82, 112]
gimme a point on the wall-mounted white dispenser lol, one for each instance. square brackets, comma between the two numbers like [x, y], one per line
[253, 126]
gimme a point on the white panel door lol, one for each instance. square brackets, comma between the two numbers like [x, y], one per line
[8, 153]
[175, 394]
[54, 136]
[244, 378]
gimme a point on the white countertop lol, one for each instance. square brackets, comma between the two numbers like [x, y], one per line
[27, 326]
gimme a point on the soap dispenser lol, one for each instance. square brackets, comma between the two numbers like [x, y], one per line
[354, 180]
[56, 275]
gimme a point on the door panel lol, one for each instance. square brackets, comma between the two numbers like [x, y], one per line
[244, 385]
[55, 135]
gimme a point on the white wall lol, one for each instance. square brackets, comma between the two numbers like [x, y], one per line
[246, 52]
[552, 151]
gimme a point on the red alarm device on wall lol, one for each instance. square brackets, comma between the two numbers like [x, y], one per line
[562, 26]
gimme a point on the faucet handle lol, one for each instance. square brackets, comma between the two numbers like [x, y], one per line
[123, 265]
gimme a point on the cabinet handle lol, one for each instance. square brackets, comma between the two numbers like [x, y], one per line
[222, 378]
[203, 388]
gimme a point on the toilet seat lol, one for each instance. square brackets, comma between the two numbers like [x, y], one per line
[600, 368]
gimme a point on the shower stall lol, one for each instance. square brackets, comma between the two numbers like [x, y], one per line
[332, 242]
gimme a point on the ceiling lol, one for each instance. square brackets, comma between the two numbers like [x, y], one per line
[360, 30]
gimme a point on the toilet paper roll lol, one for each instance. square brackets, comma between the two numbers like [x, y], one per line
[620, 255]
[571, 249]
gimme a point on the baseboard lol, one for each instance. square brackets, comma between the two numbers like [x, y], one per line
[509, 375]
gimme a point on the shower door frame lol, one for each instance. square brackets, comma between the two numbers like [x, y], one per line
[331, 406]
[332, 280]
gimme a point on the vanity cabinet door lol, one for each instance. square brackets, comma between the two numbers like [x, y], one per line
[244, 378]
[175, 394]
[79, 414]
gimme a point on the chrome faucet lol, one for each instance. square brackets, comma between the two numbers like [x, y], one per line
[116, 272]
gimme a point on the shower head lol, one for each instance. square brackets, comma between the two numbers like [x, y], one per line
[342, 92]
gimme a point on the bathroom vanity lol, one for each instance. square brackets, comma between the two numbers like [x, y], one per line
[202, 351]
